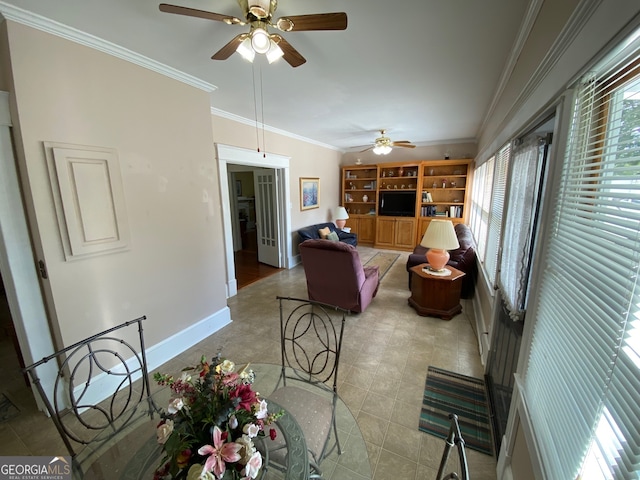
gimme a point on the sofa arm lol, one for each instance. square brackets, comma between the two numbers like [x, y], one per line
[348, 238]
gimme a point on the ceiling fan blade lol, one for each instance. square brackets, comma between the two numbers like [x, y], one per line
[291, 55]
[318, 21]
[192, 12]
[229, 49]
[366, 149]
[405, 145]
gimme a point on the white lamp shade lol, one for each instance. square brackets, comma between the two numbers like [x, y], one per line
[274, 53]
[340, 214]
[260, 40]
[246, 50]
[440, 235]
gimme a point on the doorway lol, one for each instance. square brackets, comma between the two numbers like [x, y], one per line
[231, 158]
[528, 167]
[250, 263]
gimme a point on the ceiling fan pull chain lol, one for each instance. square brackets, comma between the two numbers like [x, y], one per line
[264, 147]
[255, 105]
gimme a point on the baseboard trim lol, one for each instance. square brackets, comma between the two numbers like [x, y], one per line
[158, 354]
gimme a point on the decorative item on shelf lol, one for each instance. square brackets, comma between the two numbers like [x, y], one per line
[453, 184]
[444, 183]
[384, 174]
[403, 186]
[439, 237]
[365, 198]
[340, 217]
[211, 422]
[352, 186]
[348, 197]
[431, 172]
[424, 196]
[400, 171]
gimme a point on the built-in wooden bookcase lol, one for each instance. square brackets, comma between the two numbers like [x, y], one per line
[442, 189]
[360, 198]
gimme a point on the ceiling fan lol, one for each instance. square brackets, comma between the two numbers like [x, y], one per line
[383, 145]
[259, 15]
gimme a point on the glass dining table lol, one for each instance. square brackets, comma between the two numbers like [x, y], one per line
[134, 453]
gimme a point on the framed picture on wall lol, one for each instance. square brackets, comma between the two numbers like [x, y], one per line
[309, 193]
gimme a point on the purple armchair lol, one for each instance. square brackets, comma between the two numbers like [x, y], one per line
[336, 276]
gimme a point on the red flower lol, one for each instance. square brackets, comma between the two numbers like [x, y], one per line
[272, 433]
[246, 395]
[182, 459]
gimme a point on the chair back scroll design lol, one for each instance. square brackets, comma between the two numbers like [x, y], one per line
[80, 408]
[454, 439]
[311, 339]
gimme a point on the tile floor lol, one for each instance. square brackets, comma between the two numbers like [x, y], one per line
[386, 352]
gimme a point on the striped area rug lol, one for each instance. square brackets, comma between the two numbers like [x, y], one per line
[448, 392]
[384, 261]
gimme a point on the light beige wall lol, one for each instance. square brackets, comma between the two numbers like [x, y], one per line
[306, 160]
[161, 129]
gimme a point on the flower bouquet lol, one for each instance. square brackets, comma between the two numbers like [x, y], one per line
[211, 422]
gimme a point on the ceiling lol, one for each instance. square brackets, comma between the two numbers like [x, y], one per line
[424, 70]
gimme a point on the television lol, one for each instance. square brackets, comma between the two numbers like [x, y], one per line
[397, 204]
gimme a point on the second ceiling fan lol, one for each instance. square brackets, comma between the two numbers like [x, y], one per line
[259, 15]
[383, 144]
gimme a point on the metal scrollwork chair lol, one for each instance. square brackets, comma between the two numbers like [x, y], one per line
[311, 339]
[94, 395]
[454, 439]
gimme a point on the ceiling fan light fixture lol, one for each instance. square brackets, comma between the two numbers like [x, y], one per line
[260, 40]
[274, 53]
[245, 50]
[382, 149]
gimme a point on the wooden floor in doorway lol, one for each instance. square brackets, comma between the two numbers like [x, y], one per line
[249, 270]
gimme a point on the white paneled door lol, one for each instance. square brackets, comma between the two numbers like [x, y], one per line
[266, 188]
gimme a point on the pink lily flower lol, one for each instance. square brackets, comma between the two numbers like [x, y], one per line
[219, 454]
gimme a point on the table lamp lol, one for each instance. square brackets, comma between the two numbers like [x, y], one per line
[340, 217]
[439, 237]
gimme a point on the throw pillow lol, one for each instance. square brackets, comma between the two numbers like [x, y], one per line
[324, 232]
[333, 236]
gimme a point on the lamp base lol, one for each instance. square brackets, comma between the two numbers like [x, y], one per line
[445, 272]
[340, 224]
[437, 258]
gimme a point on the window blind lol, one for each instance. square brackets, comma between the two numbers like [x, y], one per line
[481, 204]
[582, 381]
[495, 213]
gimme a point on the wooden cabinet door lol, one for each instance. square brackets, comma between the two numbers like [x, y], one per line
[385, 231]
[367, 229]
[405, 233]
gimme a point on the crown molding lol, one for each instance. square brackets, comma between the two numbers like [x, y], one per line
[567, 35]
[253, 123]
[30, 19]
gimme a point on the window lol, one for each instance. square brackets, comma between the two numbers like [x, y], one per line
[487, 203]
[494, 234]
[582, 381]
[480, 203]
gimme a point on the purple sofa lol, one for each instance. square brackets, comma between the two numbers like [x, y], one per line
[336, 276]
